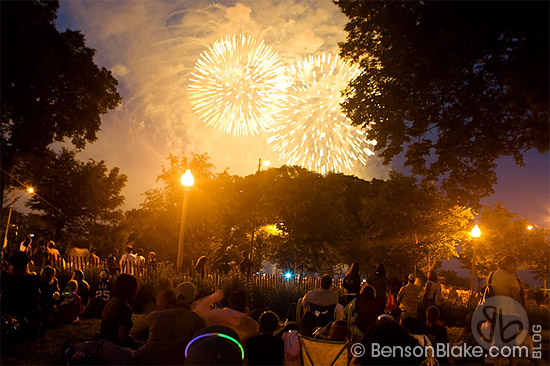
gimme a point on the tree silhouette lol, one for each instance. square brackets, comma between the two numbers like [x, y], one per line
[452, 85]
[51, 87]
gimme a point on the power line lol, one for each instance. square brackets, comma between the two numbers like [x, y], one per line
[34, 192]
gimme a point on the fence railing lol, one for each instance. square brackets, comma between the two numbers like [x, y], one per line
[154, 273]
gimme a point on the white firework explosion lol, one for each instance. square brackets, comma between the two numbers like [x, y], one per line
[313, 132]
[238, 86]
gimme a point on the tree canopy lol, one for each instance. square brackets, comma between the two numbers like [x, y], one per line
[304, 221]
[452, 85]
[51, 87]
[503, 233]
[78, 198]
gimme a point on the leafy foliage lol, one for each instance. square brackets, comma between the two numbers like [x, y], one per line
[453, 85]
[212, 210]
[303, 221]
[51, 87]
[503, 234]
[81, 199]
[414, 225]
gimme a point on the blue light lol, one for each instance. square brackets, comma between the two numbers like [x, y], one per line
[288, 275]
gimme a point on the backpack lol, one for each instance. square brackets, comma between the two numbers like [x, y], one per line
[488, 292]
[391, 305]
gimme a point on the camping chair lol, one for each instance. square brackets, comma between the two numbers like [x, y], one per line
[324, 314]
[355, 334]
[351, 313]
[299, 310]
[317, 352]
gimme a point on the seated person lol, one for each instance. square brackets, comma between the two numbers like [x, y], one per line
[21, 293]
[170, 330]
[366, 307]
[291, 341]
[438, 332]
[71, 305]
[321, 302]
[49, 284]
[387, 333]
[101, 294]
[117, 315]
[338, 331]
[266, 349]
[83, 286]
[49, 293]
[209, 348]
[235, 316]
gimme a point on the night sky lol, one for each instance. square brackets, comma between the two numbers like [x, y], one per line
[152, 46]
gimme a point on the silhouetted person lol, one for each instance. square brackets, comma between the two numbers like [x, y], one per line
[366, 308]
[246, 264]
[352, 282]
[266, 349]
[200, 267]
[20, 292]
[380, 284]
[223, 266]
[117, 315]
[83, 286]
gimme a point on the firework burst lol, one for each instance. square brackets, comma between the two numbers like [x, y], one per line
[238, 86]
[313, 132]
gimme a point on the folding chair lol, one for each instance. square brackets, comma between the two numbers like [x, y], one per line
[324, 314]
[319, 352]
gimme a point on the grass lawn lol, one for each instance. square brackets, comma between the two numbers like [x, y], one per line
[46, 350]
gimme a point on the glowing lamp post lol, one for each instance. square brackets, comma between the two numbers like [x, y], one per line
[187, 181]
[475, 233]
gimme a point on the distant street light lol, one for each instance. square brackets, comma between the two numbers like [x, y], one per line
[5, 243]
[475, 233]
[187, 181]
[264, 163]
[529, 227]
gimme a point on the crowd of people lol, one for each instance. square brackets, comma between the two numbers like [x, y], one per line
[198, 331]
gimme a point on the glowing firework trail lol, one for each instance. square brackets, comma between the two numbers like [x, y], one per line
[238, 86]
[313, 132]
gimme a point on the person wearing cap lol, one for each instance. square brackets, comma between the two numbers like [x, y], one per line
[408, 297]
[170, 331]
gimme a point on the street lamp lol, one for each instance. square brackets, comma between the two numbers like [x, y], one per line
[187, 180]
[264, 163]
[5, 243]
[475, 233]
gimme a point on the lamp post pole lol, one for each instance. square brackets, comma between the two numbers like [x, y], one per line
[187, 181]
[5, 243]
[260, 163]
[475, 233]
